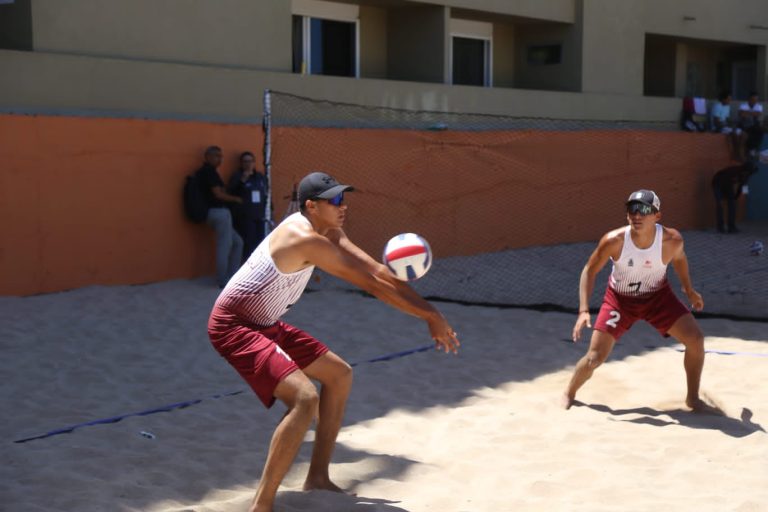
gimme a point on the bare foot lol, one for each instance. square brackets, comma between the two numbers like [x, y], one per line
[323, 484]
[260, 508]
[566, 402]
[699, 406]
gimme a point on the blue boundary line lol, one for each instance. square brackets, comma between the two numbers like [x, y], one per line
[188, 403]
[729, 353]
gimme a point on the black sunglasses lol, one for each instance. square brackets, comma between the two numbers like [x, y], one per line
[642, 209]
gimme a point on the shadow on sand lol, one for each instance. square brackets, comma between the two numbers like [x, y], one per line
[734, 427]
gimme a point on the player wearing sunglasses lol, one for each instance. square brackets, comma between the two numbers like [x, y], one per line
[278, 360]
[638, 290]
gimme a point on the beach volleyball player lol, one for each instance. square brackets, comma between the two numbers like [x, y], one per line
[278, 360]
[638, 290]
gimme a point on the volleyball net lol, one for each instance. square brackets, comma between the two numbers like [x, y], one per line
[511, 206]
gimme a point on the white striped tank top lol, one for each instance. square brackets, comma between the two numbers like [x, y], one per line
[259, 293]
[639, 272]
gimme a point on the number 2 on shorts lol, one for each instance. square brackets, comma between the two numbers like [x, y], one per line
[615, 315]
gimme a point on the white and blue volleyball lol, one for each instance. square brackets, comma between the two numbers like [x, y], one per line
[408, 256]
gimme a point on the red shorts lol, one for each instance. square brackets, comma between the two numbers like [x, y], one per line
[263, 356]
[661, 309]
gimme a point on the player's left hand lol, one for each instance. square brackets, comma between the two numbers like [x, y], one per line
[445, 337]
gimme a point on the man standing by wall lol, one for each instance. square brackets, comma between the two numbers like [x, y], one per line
[229, 245]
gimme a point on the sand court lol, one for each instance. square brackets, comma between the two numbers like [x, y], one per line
[481, 431]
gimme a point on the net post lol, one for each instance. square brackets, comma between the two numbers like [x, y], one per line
[267, 127]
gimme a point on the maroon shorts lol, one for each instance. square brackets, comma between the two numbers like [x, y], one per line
[661, 309]
[263, 356]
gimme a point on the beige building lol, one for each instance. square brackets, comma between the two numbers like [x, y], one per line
[211, 59]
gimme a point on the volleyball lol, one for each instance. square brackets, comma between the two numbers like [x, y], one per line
[408, 256]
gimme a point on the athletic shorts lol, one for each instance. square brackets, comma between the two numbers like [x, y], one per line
[661, 309]
[263, 356]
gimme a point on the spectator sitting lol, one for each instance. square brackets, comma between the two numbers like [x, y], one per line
[694, 114]
[721, 114]
[750, 115]
[728, 184]
[229, 245]
[250, 186]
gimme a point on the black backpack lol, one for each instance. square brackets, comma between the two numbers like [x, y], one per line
[195, 202]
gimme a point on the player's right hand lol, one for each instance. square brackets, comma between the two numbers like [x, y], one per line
[582, 320]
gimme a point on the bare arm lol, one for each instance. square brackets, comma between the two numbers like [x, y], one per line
[220, 194]
[605, 249]
[343, 259]
[680, 264]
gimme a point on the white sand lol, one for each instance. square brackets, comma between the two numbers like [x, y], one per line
[478, 432]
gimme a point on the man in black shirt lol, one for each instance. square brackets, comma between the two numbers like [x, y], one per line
[727, 184]
[229, 245]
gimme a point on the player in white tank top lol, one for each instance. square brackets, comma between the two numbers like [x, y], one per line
[259, 292]
[638, 290]
[639, 272]
[273, 279]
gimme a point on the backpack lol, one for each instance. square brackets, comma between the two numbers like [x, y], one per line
[195, 202]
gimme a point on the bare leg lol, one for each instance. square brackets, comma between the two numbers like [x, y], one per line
[300, 395]
[335, 375]
[687, 332]
[600, 347]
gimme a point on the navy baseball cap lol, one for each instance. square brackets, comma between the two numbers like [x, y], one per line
[319, 185]
[647, 197]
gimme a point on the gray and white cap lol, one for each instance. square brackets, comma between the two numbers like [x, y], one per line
[648, 197]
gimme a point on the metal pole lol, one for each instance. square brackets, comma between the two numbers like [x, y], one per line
[267, 125]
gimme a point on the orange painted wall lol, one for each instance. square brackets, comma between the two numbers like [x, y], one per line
[98, 201]
[470, 192]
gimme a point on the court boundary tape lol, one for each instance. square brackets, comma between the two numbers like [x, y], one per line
[188, 403]
[728, 352]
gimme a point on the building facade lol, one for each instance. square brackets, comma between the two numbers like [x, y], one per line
[206, 59]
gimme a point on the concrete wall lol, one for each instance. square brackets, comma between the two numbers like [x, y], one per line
[613, 47]
[150, 89]
[714, 19]
[231, 33]
[603, 40]
[613, 53]
[417, 44]
[551, 10]
[503, 55]
[552, 77]
[373, 42]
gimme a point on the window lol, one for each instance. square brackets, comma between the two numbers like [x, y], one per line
[325, 38]
[545, 54]
[469, 61]
[471, 53]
